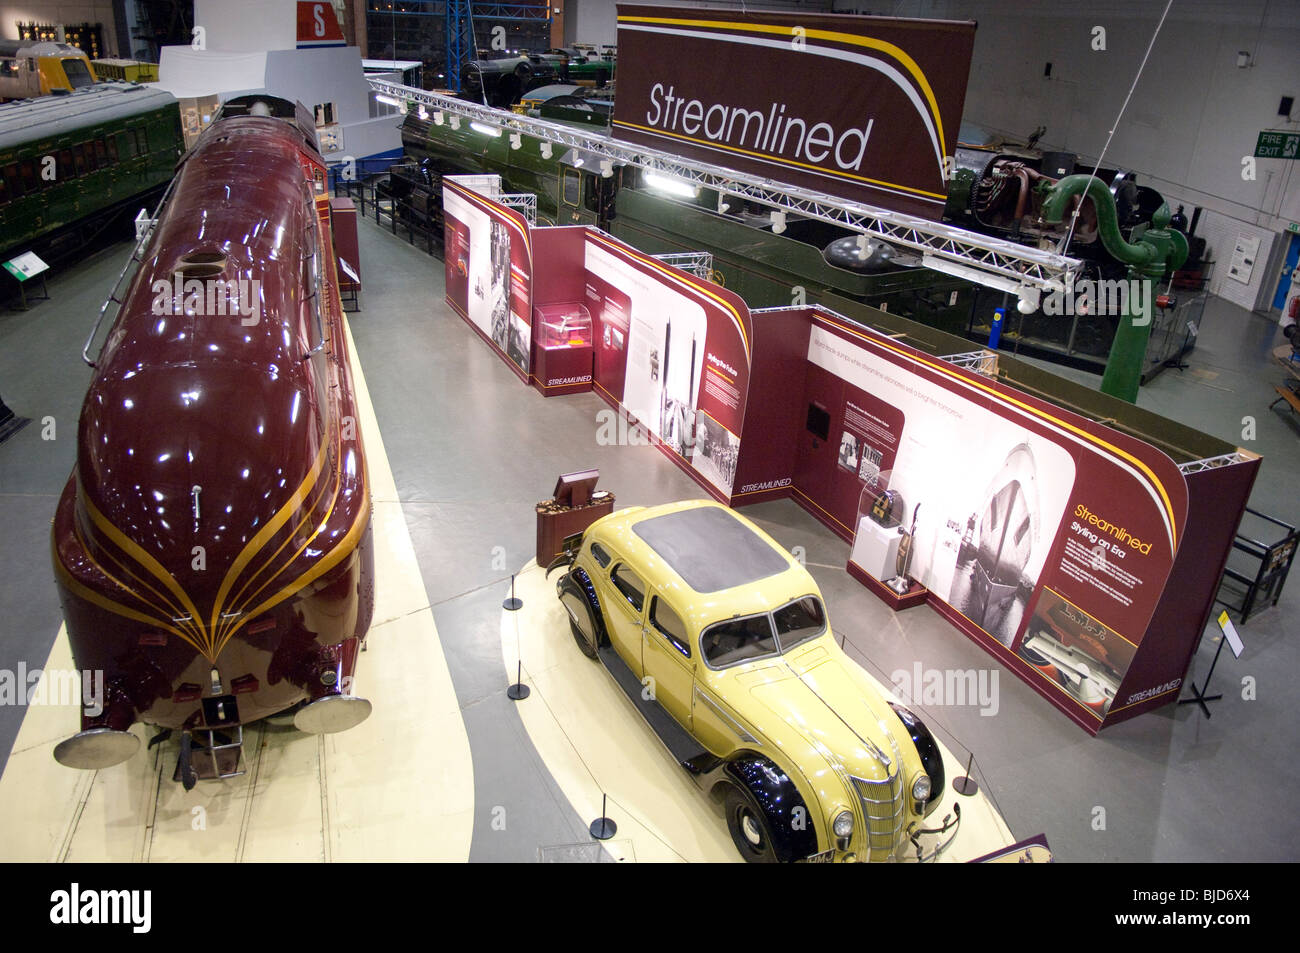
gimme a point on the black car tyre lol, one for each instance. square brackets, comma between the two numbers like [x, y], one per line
[749, 828]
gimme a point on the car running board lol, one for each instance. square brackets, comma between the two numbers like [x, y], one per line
[685, 750]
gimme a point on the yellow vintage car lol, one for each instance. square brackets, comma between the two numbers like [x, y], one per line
[721, 639]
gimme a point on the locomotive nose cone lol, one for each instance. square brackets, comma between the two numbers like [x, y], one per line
[96, 748]
[332, 713]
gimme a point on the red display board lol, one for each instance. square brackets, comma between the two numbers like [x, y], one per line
[1079, 556]
[866, 108]
[489, 268]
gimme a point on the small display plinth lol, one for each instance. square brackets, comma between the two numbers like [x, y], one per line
[556, 522]
[914, 596]
[563, 370]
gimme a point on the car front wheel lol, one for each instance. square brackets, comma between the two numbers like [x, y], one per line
[749, 828]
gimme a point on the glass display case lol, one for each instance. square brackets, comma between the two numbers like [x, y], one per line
[563, 325]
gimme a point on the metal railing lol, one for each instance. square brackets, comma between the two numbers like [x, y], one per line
[142, 242]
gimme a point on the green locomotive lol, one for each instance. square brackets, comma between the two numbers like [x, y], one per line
[71, 165]
[766, 268]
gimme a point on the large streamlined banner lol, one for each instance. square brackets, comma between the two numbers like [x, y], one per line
[865, 108]
[674, 352]
[1043, 531]
[489, 266]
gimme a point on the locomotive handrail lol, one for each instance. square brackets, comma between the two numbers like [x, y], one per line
[314, 259]
[140, 244]
[990, 261]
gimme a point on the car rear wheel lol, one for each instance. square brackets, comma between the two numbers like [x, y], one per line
[749, 828]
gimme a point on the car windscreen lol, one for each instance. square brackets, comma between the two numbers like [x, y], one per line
[738, 640]
[799, 621]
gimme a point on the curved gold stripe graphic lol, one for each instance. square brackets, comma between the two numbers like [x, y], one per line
[346, 547]
[683, 278]
[488, 206]
[104, 602]
[222, 635]
[238, 600]
[165, 611]
[1033, 411]
[265, 534]
[138, 553]
[834, 36]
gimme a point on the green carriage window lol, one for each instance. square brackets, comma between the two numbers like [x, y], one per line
[572, 183]
[101, 154]
[110, 144]
[14, 181]
[64, 166]
[30, 179]
[79, 158]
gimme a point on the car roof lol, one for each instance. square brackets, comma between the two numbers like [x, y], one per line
[710, 548]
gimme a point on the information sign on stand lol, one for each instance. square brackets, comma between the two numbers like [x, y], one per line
[25, 267]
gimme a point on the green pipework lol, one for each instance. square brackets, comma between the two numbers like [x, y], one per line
[1159, 251]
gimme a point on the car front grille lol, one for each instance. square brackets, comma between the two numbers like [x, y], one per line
[883, 805]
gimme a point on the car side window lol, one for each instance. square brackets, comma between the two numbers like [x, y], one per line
[628, 583]
[669, 624]
[598, 553]
[738, 640]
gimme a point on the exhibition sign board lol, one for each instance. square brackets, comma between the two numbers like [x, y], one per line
[489, 268]
[1080, 557]
[1034, 530]
[673, 351]
[864, 108]
[318, 26]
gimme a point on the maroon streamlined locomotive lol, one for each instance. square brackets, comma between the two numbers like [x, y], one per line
[212, 547]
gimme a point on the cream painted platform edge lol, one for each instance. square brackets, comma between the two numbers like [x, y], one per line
[594, 742]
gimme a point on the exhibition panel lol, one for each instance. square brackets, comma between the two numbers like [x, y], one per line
[1054, 548]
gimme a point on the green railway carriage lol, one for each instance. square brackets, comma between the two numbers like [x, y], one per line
[72, 164]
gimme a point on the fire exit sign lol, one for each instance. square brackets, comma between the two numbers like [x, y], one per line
[1278, 145]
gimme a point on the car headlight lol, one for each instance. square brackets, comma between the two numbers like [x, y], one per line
[842, 826]
[921, 788]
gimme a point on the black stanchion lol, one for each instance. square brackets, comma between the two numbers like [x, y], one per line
[518, 691]
[602, 828]
[1198, 694]
[512, 604]
[967, 785]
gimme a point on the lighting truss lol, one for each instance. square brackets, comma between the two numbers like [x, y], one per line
[1212, 463]
[697, 263]
[1001, 261]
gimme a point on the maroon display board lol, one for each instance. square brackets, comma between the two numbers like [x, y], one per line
[1079, 556]
[489, 267]
[673, 352]
[866, 108]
